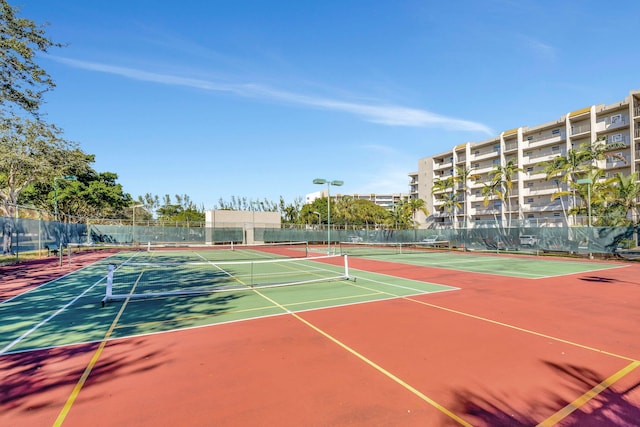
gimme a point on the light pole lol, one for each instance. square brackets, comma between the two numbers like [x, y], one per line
[55, 192]
[337, 183]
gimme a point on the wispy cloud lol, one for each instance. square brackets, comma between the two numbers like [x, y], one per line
[540, 49]
[390, 115]
[389, 180]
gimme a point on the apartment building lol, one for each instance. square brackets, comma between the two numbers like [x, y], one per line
[617, 124]
[387, 201]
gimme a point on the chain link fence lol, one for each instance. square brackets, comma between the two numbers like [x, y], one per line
[28, 232]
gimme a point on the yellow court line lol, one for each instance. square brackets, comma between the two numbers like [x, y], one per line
[586, 397]
[517, 328]
[85, 375]
[372, 364]
[580, 401]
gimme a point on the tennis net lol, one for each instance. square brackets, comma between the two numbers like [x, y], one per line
[236, 251]
[135, 280]
[388, 248]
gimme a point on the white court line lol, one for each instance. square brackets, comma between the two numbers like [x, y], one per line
[45, 321]
[36, 327]
[451, 266]
[418, 292]
[51, 281]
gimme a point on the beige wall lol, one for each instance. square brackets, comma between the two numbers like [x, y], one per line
[248, 220]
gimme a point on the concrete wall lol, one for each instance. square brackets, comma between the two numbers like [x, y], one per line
[247, 220]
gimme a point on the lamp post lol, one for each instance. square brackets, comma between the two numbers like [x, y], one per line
[336, 183]
[55, 192]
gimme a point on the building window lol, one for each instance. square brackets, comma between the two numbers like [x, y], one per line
[529, 184]
[530, 169]
[530, 200]
[616, 138]
[555, 148]
[555, 132]
[531, 216]
[616, 119]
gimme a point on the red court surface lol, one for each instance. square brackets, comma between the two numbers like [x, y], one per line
[498, 352]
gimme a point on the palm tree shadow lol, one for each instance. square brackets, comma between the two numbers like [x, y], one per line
[611, 407]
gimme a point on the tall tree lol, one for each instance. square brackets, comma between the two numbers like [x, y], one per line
[290, 212]
[502, 179]
[462, 177]
[400, 216]
[417, 205]
[22, 80]
[32, 151]
[444, 189]
[578, 162]
[627, 195]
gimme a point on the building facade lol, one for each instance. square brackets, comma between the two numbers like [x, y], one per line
[387, 201]
[617, 125]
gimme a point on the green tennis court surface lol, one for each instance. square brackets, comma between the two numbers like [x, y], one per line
[68, 310]
[522, 267]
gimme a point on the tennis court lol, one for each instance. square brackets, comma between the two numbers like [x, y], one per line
[429, 338]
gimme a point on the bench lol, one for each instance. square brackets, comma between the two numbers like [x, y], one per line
[435, 242]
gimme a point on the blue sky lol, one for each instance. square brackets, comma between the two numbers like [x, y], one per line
[255, 99]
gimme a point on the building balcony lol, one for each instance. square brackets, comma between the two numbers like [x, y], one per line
[540, 190]
[543, 207]
[484, 155]
[613, 122]
[543, 140]
[443, 165]
[511, 146]
[582, 129]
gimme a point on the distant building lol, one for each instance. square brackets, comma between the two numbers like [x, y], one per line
[387, 201]
[526, 147]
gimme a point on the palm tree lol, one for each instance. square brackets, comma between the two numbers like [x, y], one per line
[503, 177]
[489, 191]
[400, 216]
[625, 195]
[417, 205]
[554, 169]
[446, 186]
[463, 175]
[577, 162]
